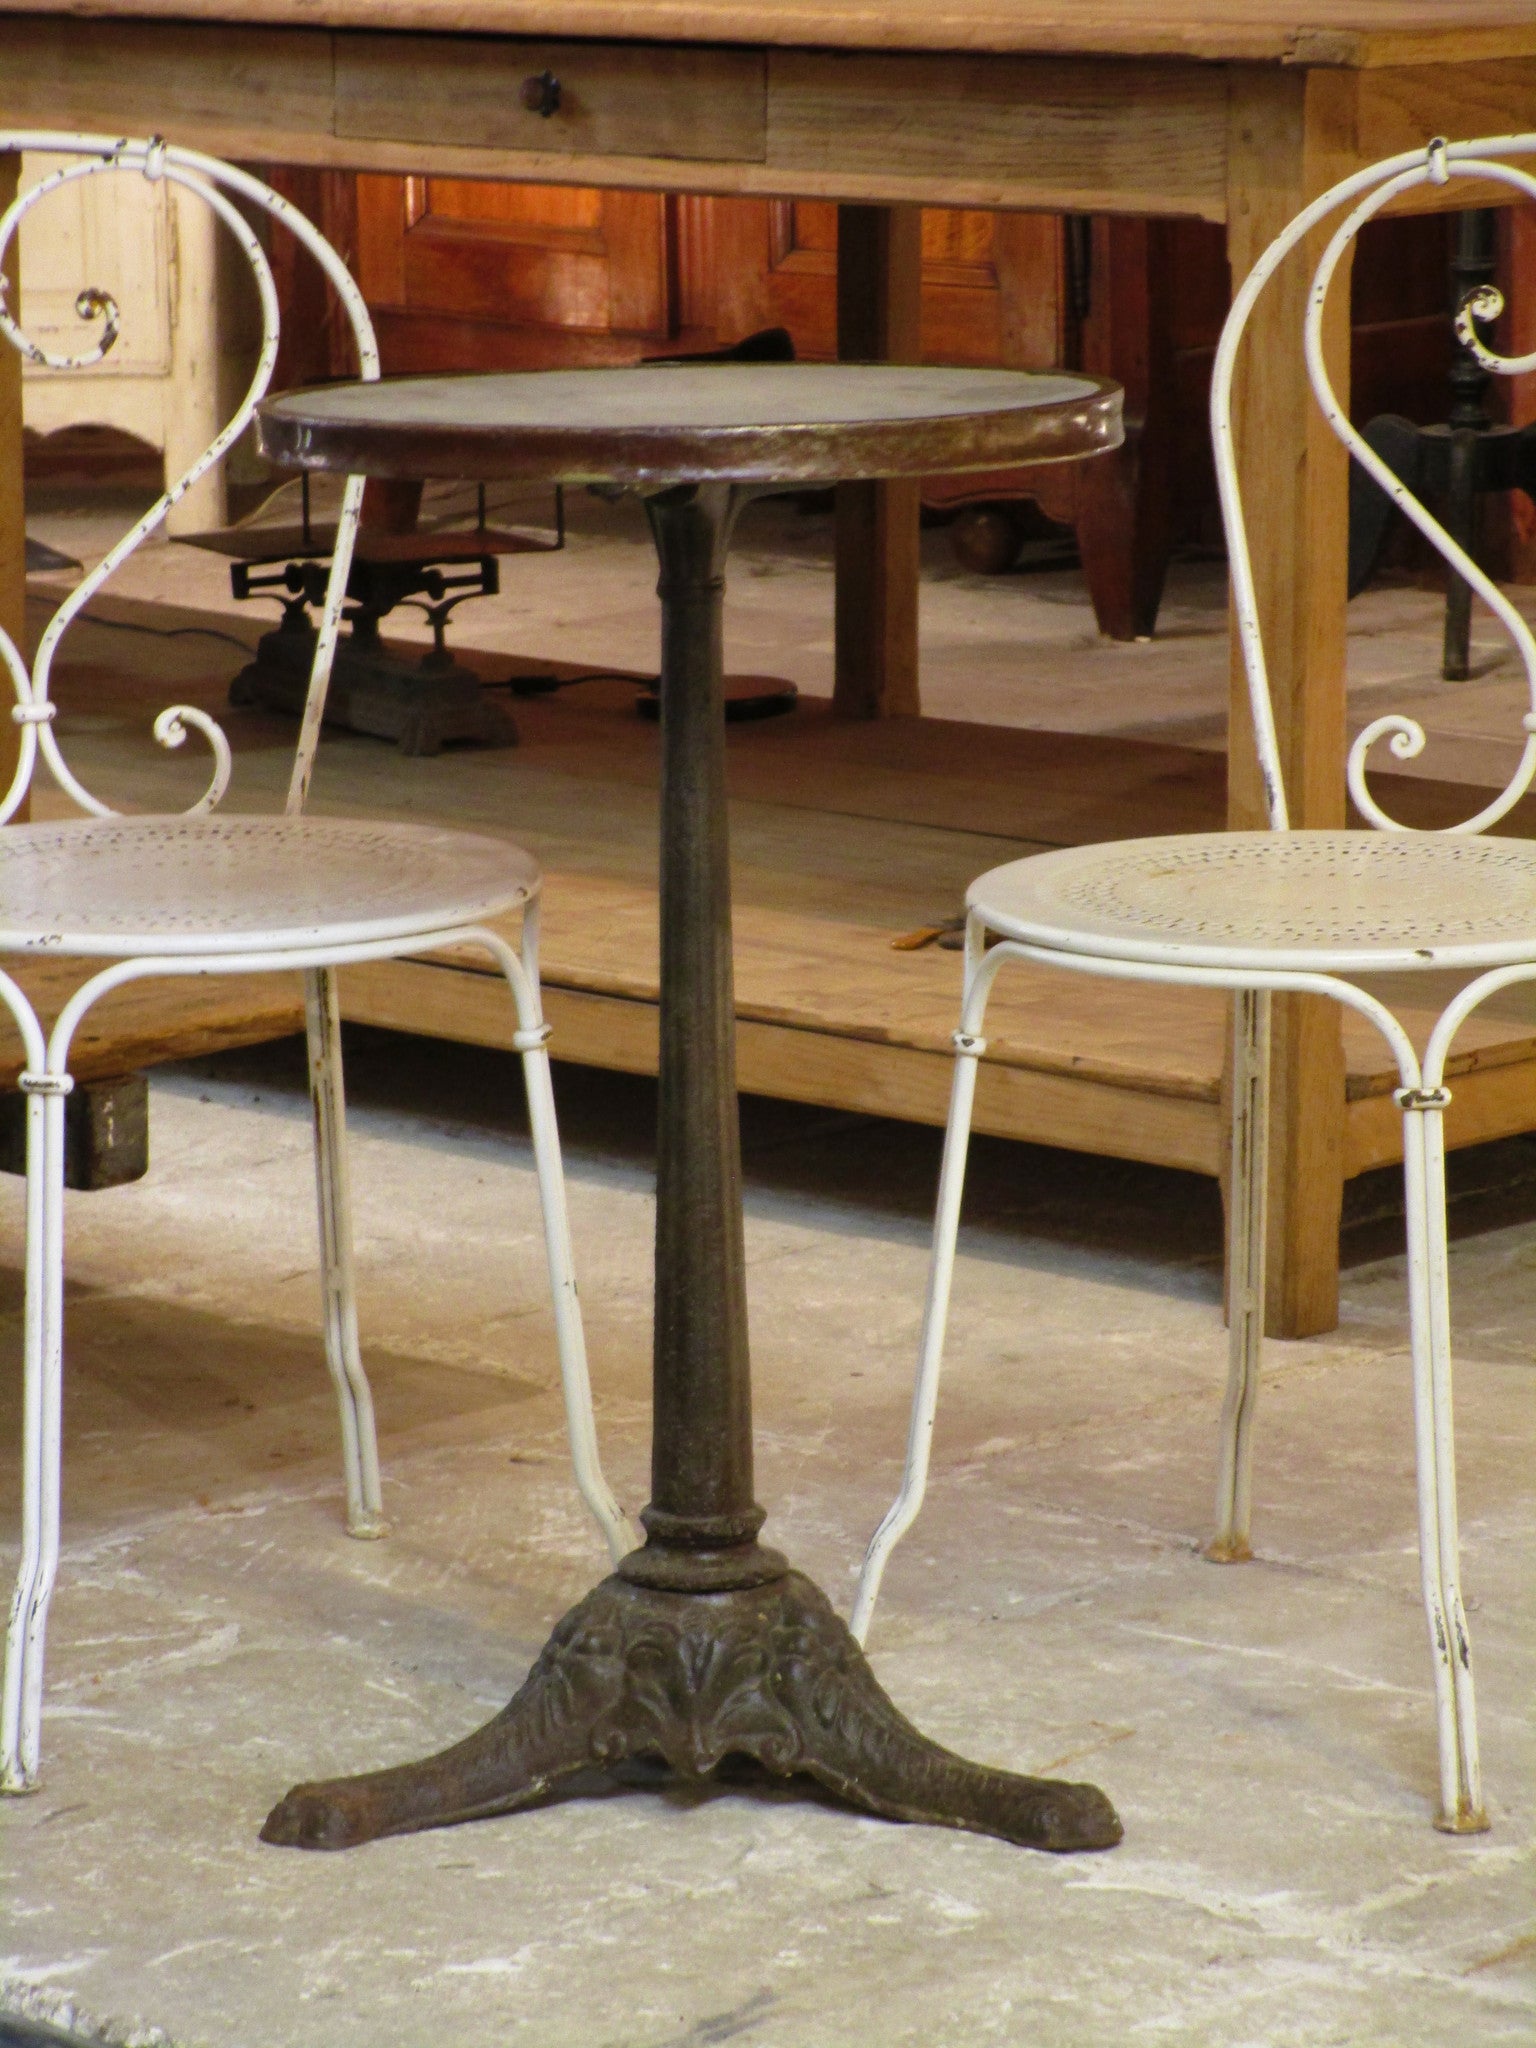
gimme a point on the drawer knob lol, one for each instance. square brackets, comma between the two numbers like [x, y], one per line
[541, 94]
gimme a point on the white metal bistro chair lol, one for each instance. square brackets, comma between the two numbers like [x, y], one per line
[199, 894]
[1260, 913]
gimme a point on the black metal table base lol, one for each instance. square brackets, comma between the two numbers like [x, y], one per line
[704, 1646]
[637, 1674]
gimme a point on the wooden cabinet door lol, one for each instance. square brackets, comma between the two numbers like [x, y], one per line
[467, 274]
[992, 282]
[155, 249]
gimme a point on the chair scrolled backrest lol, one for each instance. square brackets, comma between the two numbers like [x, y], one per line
[218, 185]
[1370, 190]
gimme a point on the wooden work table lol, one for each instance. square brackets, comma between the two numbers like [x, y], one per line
[1236, 111]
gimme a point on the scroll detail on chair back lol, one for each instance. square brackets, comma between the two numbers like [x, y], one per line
[218, 185]
[197, 893]
[1260, 913]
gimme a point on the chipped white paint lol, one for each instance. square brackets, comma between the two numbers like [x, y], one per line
[1278, 912]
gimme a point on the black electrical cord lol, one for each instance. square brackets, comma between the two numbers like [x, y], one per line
[168, 632]
[546, 685]
[520, 686]
[537, 685]
[162, 632]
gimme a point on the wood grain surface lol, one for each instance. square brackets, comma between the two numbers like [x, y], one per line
[828, 1013]
[1047, 117]
[623, 99]
[1332, 32]
[145, 1023]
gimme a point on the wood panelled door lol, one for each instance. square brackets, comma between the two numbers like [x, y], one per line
[992, 282]
[466, 274]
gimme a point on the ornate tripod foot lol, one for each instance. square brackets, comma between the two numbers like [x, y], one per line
[637, 1674]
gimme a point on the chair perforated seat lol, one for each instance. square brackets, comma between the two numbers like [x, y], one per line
[236, 884]
[1345, 902]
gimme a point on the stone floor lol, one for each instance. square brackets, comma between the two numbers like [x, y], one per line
[1266, 1731]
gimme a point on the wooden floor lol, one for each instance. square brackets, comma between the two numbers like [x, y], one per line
[846, 836]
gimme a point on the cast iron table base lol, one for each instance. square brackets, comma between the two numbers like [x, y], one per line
[690, 1680]
[704, 1646]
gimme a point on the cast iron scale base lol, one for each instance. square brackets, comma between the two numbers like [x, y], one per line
[703, 1647]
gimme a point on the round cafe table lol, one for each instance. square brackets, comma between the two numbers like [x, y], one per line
[704, 1644]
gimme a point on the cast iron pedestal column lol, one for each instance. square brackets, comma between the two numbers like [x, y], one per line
[703, 1645]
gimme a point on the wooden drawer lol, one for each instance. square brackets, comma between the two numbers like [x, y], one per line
[615, 99]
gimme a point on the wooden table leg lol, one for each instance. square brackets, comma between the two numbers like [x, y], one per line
[13, 520]
[1125, 518]
[1290, 137]
[879, 276]
[13, 535]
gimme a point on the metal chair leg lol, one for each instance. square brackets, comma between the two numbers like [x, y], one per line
[570, 1339]
[1247, 1203]
[1461, 1798]
[531, 1040]
[969, 1047]
[338, 1281]
[21, 1701]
